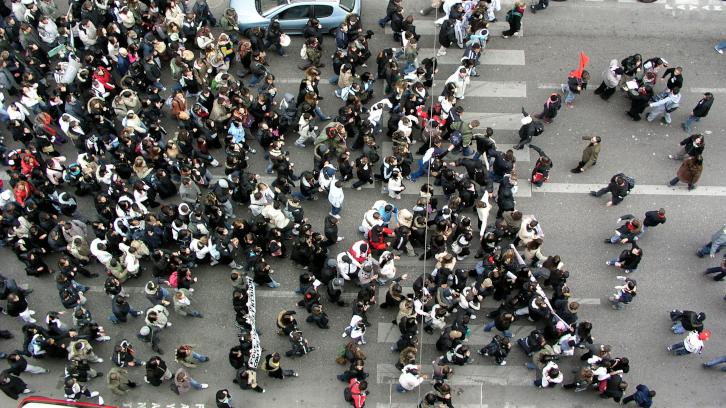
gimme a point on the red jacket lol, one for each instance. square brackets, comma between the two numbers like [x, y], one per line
[357, 254]
[28, 167]
[23, 191]
[377, 242]
[103, 79]
[359, 397]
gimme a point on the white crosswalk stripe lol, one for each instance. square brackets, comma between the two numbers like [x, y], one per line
[488, 57]
[495, 29]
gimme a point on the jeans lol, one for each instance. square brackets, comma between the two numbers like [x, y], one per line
[277, 45]
[721, 46]
[720, 275]
[530, 365]
[132, 312]
[410, 67]
[320, 113]
[336, 210]
[158, 85]
[466, 151]
[272, 284]
[334, 79]
[570, 95]
[618, 304]
[538, 383]
[689, 122]
[678, 328]
[421, 170]
[384, 20]
[675, 181]
[706, 250]
[195, 384]
[255, 80]
[680, 349]
[496, 177]
[491, 325]
[644, 229]
[400, 388]
[716, 361]
[199, 357]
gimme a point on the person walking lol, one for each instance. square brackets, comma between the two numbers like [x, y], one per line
[589, 155]
[574, 86]
[628, 259]
[686, 321]
[625, 294]
[719, 48]
[626, 232]
[618, 188]
[118, 383]
[715, 245]
[665, 106]
[689, 173]
[610, 79]
[514, 18]
[691, 146]
[13, 386]
[184, 382]
[699, 112]
[692, 344]
[551, 107]
[639, 100]
[336, 197]
[410, 378]
[271, 364]
[675, 80]
[643, 397]
[720, 269]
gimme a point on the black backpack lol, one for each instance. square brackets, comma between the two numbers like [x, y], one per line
[538, 128]
[348, 394]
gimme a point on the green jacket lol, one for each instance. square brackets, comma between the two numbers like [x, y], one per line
[466, 133]
[335, 145]
[312, 54]
[229, 24]
[411, 54]
[590, 154]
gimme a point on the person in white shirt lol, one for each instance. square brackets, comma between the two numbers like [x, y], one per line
[336, 197]
[410, 378]
[665, 104]
[692, 344]
[370, 219]
[551, 376]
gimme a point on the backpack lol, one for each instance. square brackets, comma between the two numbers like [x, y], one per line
[630, 181]
[511, 13]
[174, 387]
[348, 394]
[455, 138]
[174, 279]
[671, 107]
[537, 128]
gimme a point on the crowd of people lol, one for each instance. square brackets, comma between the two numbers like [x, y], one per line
[105, 96]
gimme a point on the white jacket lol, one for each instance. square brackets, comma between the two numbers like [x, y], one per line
[276, 216]
[395, 186]
[336, 196]
[409, 381]
[101, 256]
[48, 32]
[546, 380]
[693, 343]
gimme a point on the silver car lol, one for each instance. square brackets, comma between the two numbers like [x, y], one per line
[294, 14]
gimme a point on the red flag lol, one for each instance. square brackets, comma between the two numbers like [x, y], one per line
[583, 62]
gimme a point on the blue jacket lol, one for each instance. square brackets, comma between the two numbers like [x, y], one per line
[123, 66]
[470, 54]
[641, 397]
[341, 39]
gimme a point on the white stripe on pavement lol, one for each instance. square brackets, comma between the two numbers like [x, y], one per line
[704, 90]
[469, 375]
[489, 57]
[549, 86]
[497, 121]
[493, 89]
[680, 189]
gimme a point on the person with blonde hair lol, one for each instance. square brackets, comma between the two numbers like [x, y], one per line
[514, 18]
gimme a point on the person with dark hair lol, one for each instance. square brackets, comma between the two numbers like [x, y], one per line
[626, 293]
[639, 100]
[272, 366]
[628, 259]
[618, 188]
[13, 386]
[643, 397]
[689, 172]
[551, 107]
[687, 320]
[574, 86]
[669, 103]
[610, 79]
[551, 376]
[699, 112]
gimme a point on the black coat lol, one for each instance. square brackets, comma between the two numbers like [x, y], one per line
[448, 36]
[14, 387]
[701, 110]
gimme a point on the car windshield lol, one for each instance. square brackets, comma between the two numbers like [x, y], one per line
[347, 5]
[267, 5]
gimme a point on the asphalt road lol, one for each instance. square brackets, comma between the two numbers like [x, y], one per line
[669, 277]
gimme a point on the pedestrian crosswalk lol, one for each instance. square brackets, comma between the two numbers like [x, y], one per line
[475, 374]
[389, 333]
[429, 28]
[488, 57]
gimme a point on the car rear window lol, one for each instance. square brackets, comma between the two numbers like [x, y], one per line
[347, 5]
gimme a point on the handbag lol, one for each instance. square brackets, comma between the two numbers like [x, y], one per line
[537, 177]
[183, 115]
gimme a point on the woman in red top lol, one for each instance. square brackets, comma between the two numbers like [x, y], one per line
[28, 163]
[22, 191]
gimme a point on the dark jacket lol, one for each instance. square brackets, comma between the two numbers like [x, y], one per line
[612, 390]
[628, 259]
[674, 80]
[641, 397]
[15, 387]
[701, 110]
[447, 35]
[687, 143]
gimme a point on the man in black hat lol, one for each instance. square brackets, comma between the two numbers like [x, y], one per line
[334, 291]
[686, 321]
